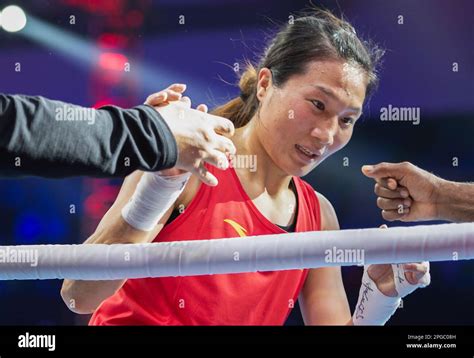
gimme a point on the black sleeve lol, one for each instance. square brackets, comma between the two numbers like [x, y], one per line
[54, 139]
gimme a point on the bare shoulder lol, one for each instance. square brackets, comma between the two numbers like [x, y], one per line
[328, 214]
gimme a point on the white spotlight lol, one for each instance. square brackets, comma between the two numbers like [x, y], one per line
[13, 18]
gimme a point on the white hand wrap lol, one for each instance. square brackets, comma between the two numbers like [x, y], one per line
[402, 286]
[373, 307]
[153, 196]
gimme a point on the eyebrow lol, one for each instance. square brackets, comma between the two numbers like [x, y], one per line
[331, 94]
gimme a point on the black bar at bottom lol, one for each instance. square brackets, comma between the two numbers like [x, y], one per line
[449, 341]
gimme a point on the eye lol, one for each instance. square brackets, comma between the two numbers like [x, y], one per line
[348, 121]
[319, 105]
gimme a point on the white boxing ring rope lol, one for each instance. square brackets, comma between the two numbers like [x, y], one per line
[445, 242]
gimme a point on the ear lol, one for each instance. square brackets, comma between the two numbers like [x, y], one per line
[264, 83]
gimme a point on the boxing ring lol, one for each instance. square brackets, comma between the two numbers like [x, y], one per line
[444, 242]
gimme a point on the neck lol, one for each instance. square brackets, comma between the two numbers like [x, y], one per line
[267, 176]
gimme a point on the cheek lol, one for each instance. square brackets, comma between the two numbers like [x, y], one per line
[301, 114]
[296, 118]
[281, 117]
[295, 123]
[341, 140]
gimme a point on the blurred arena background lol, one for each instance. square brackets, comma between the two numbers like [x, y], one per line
[75, 50]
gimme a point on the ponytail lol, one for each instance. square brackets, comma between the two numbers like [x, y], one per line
[241, 109]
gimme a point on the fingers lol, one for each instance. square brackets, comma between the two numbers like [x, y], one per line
[202, 108]
[388, 183]
[216, 158]
[186, 101]
[172, 93]
[225, 145]
[393, 204]
[416, 267]
[394, 200]
[392, 215]
[156, 99]
[223, 126]
[173, 96]
[199, 138]
[220, 142]
[418, 273]
[384, 170]
[382, 191]
[204, 175]
[163, 98]
[177, 87]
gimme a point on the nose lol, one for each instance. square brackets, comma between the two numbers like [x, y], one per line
[325, 131]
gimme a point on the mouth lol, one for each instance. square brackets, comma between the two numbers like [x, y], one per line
[308, 154]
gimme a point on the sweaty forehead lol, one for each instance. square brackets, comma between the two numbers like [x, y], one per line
[353, 75]
[345, 78]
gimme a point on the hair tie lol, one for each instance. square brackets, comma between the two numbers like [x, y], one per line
[243, 96]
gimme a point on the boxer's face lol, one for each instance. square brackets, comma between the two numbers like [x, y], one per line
[310, 116]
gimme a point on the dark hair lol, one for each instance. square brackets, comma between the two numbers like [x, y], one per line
[315, 34]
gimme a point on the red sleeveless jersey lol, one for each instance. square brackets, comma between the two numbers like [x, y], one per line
[260, 298]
